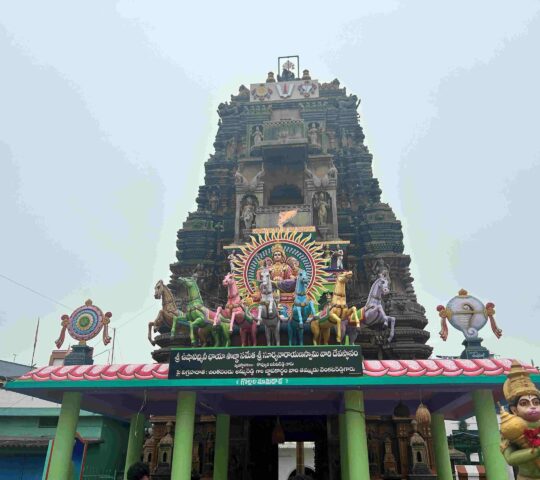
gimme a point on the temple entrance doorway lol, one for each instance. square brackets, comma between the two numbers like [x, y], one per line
[272, 451]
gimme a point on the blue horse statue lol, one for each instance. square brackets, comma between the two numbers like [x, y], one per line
[303, 310]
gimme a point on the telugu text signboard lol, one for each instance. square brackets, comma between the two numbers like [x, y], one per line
[266, 365]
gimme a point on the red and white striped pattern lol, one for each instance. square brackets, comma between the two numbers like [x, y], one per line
[473, 472]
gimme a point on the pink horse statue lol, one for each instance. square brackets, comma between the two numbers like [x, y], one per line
[234, 310]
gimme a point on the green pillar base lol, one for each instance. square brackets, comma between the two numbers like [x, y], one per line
[221, 447]
[488, 430]
[60, 466]
[440, 445]
[344, 458]
[183, 436]
[135, 441]
[357, 451]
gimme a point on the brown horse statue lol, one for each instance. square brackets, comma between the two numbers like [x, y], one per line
[168, 311]
[334, 314]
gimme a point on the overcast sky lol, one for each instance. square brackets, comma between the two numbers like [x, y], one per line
[108, 113]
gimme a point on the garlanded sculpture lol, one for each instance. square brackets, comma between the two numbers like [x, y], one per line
[234, 311]
[169, 311]
[520, 428]
[268, 312]
[335, 314]
[372, 314]
[84, 324]
[302, 311]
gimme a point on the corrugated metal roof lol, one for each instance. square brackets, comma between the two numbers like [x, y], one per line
[13, 370]
[33, 442]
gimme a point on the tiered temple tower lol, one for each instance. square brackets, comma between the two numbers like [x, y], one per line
[297, 144]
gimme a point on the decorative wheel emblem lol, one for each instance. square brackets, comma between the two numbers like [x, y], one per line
[85, 323]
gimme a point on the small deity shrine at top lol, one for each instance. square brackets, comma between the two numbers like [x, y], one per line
[290, 186]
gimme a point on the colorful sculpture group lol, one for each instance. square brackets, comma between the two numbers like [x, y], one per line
[282, 293]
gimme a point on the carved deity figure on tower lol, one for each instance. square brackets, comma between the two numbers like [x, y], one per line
[332, 171]
[199, 274]
[313, 134]
[380, 267]
[248, 212]
[257, 136]
[213, 201]
[231, 148]
[520, 429]
[321, 205]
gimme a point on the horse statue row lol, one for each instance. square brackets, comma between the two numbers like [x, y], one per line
[198, 318]
[204, 323]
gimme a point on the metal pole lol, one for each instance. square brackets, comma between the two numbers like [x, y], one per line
[113, 340]
[300, 467]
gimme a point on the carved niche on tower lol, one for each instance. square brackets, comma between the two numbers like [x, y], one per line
[322, 208]
[248, 213]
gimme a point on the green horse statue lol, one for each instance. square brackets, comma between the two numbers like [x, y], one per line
[200, 319]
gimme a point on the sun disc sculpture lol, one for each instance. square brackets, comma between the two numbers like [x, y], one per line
[284, 252]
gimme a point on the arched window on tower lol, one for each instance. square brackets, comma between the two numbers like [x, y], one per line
[286, 194]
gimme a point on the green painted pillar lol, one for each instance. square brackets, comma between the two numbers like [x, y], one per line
[221, 447]
[343, 447]
[357, 451]
[440, 445]
[183, 436]
[488, 429]
[135, 441]
[64, 438]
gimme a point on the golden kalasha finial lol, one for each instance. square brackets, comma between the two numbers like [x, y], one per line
[423, 415]
[463, 293]
[518, 383]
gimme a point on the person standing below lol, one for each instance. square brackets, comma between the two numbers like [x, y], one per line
[138, 471]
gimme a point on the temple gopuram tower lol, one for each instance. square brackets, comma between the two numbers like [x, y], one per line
[294, 147]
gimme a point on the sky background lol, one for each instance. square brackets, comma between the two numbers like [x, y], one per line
[108, 113]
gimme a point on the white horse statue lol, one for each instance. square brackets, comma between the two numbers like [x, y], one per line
[372, 314]
[268, 306]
